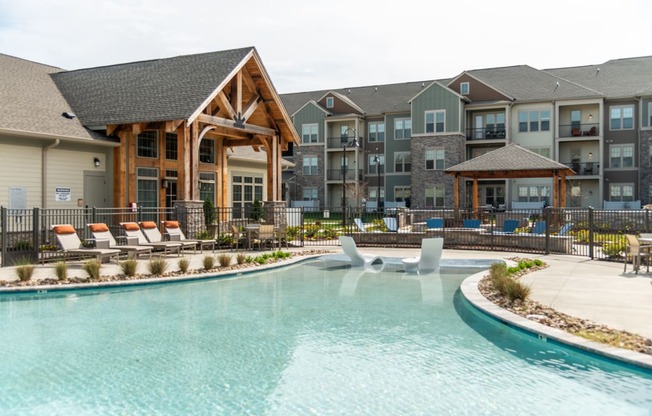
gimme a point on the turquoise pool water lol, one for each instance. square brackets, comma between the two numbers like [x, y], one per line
[310, 339]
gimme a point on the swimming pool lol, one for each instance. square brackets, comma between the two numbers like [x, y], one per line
[313, 338]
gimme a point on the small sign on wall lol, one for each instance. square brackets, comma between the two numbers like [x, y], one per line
[62, 194]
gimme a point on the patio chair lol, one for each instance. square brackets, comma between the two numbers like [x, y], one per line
[101, 232]
[236, 236]
[637, 252]
[175, 234]
[428, 261]
[539, 227]
[135, 236]
[358, 259]
[358, 222]
[565, 229]
[264, 235]
[153, 235]
[71, 244]
[282, 235]
[468, 223]
[433, 223]
[390, 223]
[509, 226]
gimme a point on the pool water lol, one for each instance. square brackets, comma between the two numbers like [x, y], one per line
[309, 339]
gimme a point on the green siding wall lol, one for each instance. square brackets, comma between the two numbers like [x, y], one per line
[392, 181]
[436, 97]
[310, 114]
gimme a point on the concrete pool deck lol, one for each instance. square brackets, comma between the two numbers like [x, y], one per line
[597, 291]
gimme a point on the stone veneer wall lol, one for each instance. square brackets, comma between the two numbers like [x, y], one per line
[644, 169]
[310, 181]
[455, 148]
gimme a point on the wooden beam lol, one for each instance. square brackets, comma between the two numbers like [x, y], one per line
[187, 163]
[120, 171]
[249, 82]
[131, 172]
[456, 192]
[194, 157]
[248, 128]
[172, 125]
[251, 106]
[238, 93]
[563, 191]
[112, 128]
[475, 194]
[225, 105]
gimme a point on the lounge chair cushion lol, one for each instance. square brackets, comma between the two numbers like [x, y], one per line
[64, 229]
[130, 226]
[98, 228]
[148, 225]
[171, 224]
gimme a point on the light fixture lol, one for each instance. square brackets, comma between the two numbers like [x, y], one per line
[590, 117]
[590, 155]
[96, 162]
[164, 183]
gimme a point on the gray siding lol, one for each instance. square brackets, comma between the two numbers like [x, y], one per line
[310, 114]
[436, 97]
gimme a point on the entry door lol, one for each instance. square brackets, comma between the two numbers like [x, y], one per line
[479, 127]
[94, 189]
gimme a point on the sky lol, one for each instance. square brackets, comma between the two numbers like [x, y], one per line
[309, 45]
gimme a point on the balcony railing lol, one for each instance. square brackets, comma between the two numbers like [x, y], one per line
[336, 174]
[338, 142]
[579, 130]
[486, 133]
[584, 168]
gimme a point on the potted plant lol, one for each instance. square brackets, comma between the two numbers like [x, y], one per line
[256, 210]
[209, 218]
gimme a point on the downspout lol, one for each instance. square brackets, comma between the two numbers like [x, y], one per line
[44, 164]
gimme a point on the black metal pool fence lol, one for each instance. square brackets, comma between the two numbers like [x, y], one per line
[26, 235]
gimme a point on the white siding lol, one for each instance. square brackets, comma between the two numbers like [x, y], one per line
[20, 166]
[66, 169]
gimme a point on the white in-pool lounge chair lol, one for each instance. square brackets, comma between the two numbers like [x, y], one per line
[358, 259]
[428, 261]
[72, 245]
[101, 232]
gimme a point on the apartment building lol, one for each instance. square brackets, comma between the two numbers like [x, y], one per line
[391, 144]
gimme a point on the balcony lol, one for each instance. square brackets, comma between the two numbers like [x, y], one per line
[336, 175]
[579, 130]
[486, 133]
[584, 168]
[338, 142]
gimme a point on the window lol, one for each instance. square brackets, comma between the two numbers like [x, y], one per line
[147, 143]
[402, 161]
[402, 194]
[464, 88]
[402, 128]
[435, 159]
[207, 150]
[147, 188]
[372, 163]
[373, 191]
[576, 119]
[377, 132]
[309, 133]
[309, 194]
[434, 196]
[171, 189]
[533, 193]
[207, 186]
[330, 102]
[621, 117]
[621, 192]
[246, 190]
[621, 156]
[435, 121]
[171, 152]
[532, 121]
[647, 113]
[310, 165]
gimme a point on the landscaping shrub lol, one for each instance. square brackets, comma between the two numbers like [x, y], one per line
[515, 290]
[61, 270]
[249, 259]
[614, 248]
[311, 231]
[92, 269]
[224, 260]
[241, 258]
[24, 270]
[183, 264]
[209, 262]
[157, 267]
[128, 267]
[293, 231]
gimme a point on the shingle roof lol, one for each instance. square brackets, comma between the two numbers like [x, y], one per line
[30, 102]
[616, 78]
[156, 90]
[525, 83]
[511, 157]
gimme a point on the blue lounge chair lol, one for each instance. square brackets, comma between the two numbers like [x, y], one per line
[471, 223]
[435, 223]
[358, 222]
[509, 226]
[565, 229]
[390, 223]
[539, 227]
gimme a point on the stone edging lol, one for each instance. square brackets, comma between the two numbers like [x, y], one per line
[469, 288]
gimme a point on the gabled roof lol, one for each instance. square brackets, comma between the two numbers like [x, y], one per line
[346, 100]
[508, 160]
[312, 102]
[445, 87]
[616, 78]
[156, 90]
[31, 104]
